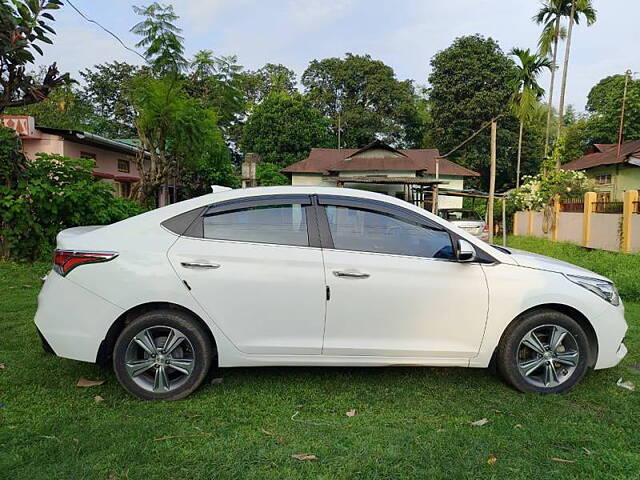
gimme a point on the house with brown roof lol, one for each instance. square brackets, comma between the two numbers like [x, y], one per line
[612, 173]
[381, 168]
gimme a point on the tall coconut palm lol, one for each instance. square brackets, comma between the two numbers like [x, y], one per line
[550, 14]
[527, 91]
[576, 9]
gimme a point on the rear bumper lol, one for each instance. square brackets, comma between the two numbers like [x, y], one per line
[72, 321]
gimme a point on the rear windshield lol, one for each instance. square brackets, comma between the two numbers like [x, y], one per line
[457, 215]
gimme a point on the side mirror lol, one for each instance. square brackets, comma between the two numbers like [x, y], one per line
[465, 252]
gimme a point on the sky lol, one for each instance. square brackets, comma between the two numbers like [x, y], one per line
[404, 34]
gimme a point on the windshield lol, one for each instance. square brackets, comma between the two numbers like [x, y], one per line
[458, 215]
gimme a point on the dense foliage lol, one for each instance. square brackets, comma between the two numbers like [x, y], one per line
[465, 95]
[284, 128]
[366, 98]
[24, 26]
[50, 194]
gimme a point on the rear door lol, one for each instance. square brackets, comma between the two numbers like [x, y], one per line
[256, 267]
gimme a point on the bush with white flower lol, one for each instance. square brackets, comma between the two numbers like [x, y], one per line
[537, 191]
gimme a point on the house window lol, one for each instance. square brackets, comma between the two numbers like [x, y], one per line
[123, 166]
[89, 155]
[604, 179]
[124, 189]
[603, 197]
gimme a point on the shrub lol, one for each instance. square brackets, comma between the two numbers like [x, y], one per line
[53, 193]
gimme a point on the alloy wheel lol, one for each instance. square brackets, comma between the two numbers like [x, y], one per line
[160, 359]
[548, 355]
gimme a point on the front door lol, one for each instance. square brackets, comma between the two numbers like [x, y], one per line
[395, 289]
[252, 269]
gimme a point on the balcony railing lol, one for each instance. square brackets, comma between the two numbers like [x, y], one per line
[573, 205]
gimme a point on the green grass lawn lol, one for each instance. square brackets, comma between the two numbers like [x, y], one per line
[409, 422]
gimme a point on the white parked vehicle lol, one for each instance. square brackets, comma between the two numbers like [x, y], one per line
[317, 276]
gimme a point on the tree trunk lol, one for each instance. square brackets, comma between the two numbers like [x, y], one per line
[519, 154]
[552, 82]
[565, 69]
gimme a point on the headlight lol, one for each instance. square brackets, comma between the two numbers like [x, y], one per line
[602, 288]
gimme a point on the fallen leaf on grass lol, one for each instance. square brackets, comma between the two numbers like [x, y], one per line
[561, 460]
[83, 382]
[98, 399]
[191, 415]
[1, 366]
[267, 432]
[171, 437]
[479, 423]
[492, 459]
[629, 385]
[586, 450]
[351, 413]
[517, 426]
[304, 456]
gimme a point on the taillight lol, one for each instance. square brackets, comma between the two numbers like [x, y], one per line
[66, 260]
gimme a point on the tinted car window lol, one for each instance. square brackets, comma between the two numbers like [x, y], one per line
[281, 224]
[364, 230]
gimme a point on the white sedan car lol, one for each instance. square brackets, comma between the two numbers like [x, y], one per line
[317, 276]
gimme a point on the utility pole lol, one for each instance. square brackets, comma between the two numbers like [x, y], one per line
[627, 75]
[566, 68]
[492, 178]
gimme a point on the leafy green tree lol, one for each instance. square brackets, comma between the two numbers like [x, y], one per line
[171, 127]
[64, 108]
[24, 25]
[527, 91]
[105, 88]
[268, 175]
[217, 82]
[364, 99]
[161, 38]
[604, 105]
[284, 128]
[573, 141]
[465, 94]
[272, 77]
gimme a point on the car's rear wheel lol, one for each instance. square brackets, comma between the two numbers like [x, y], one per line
[545, 351]
[162, 355]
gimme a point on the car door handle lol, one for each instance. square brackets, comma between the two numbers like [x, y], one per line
[199, 265]
[350, 274]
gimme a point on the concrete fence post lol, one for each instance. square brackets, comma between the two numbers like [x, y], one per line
[516, 216]
[529, 222]
[589, 199]
[555, 219]
[630, 197]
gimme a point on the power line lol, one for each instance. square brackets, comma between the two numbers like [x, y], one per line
[106, 30]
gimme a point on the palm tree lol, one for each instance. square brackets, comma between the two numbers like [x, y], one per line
[550, 14]
[576, 9]
[527, 91]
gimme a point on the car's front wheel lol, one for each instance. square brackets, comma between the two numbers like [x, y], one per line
[544, 351]
[162, 355]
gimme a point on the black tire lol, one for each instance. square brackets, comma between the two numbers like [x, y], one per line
[514, 356]
[197, 351]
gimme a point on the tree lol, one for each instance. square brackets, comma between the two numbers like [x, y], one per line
[576, 8]
[550, 14]
[364, 100]
[64, 108]
[164, 45]
[23, 27]
[464, 94]
[604, 105]
[268, 175]
[527, 91]
[171, 127]
[272, 77]
[284, 128]
[106, 90]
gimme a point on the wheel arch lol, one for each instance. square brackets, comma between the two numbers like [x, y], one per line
[569, 311]
[105, 351]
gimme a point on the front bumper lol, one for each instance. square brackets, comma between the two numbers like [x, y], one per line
[71, 320]
[611, 328]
